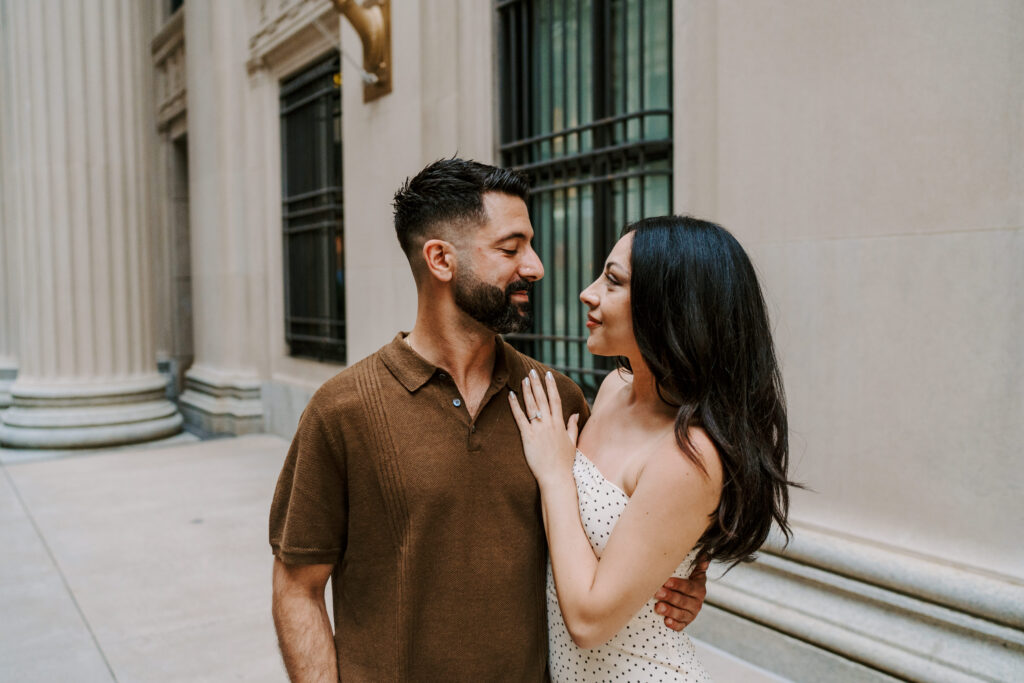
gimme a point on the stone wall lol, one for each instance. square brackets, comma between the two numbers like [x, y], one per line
[870, 157]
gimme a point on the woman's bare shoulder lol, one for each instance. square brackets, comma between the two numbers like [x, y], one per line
[611, 386]
[668, 458]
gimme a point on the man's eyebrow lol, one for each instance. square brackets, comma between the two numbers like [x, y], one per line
[512, 236]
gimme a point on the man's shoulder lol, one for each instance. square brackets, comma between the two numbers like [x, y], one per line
[341, 392]
[567, 389]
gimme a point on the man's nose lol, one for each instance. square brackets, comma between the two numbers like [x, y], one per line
[531, 267]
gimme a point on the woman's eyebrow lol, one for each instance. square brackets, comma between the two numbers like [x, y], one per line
[609, 264]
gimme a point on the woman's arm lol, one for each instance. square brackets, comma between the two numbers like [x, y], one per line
[665, 517]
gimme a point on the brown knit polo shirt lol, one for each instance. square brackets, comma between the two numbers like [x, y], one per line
[430, 518]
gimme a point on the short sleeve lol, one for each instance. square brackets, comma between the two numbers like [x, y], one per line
[309, 513]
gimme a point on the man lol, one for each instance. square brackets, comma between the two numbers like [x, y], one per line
[406, 483]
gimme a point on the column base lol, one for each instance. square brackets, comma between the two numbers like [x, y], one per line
[8, 373]
[215, 402]
[88, 415]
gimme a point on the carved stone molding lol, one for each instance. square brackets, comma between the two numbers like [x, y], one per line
[168, 49]
[282, 23]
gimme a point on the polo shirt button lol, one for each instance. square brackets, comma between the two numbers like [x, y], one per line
[457, 403]
[472, 429]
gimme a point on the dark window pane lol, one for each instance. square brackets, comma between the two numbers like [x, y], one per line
[314, 238]
[586, 92]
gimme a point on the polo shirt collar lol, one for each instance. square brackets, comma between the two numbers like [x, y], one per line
[408, 367]
[511, 361]
[413, 370]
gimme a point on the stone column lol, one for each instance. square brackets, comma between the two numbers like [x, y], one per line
[8, 298]
[79, 99]
[222, 388]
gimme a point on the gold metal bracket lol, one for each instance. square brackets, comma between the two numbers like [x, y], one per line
[372, 21]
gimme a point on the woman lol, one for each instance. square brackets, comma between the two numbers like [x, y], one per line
[685, 451]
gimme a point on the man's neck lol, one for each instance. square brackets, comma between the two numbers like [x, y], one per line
[466, 352]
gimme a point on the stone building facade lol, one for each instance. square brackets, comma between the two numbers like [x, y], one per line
[869, 154]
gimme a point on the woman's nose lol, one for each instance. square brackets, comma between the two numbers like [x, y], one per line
[588, 297]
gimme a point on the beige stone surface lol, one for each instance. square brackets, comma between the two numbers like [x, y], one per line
[903, 365]
[869, 118]
[442, 104]
[871, 156]
[228, 259]
[155, 561]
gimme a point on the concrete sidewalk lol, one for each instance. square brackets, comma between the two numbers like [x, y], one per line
[139, 565]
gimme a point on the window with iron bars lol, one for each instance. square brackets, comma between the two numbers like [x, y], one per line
[586, 94]
[312, 210]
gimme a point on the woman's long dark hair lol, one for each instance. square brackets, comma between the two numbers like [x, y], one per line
[701, 323]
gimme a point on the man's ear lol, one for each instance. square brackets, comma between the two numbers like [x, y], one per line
[440, 259]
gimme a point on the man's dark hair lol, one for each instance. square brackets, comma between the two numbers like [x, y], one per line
[449, 194]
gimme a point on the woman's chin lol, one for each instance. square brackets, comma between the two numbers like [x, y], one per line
[595, 347]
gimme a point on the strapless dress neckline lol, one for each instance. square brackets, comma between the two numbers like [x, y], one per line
[597, 471]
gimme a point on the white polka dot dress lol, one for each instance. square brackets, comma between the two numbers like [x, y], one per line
[645, 649]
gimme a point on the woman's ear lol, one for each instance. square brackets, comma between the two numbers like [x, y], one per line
[440, 259]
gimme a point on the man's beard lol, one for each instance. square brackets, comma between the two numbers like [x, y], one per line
[491, 307]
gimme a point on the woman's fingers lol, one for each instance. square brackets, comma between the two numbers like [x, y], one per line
[540, 394]
[553, 397]
[517, 412]
[529, 400]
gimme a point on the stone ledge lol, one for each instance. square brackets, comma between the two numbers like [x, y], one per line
[779, 653]
[866, 605]
[217, 403]
[990, 597]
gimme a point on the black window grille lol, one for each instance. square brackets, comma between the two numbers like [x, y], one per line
[586, 94]
[312, 208]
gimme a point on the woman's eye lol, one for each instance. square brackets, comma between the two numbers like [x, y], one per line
[608, 276]
[509, 252]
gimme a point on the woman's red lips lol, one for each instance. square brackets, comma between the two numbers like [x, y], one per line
[592, 322]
